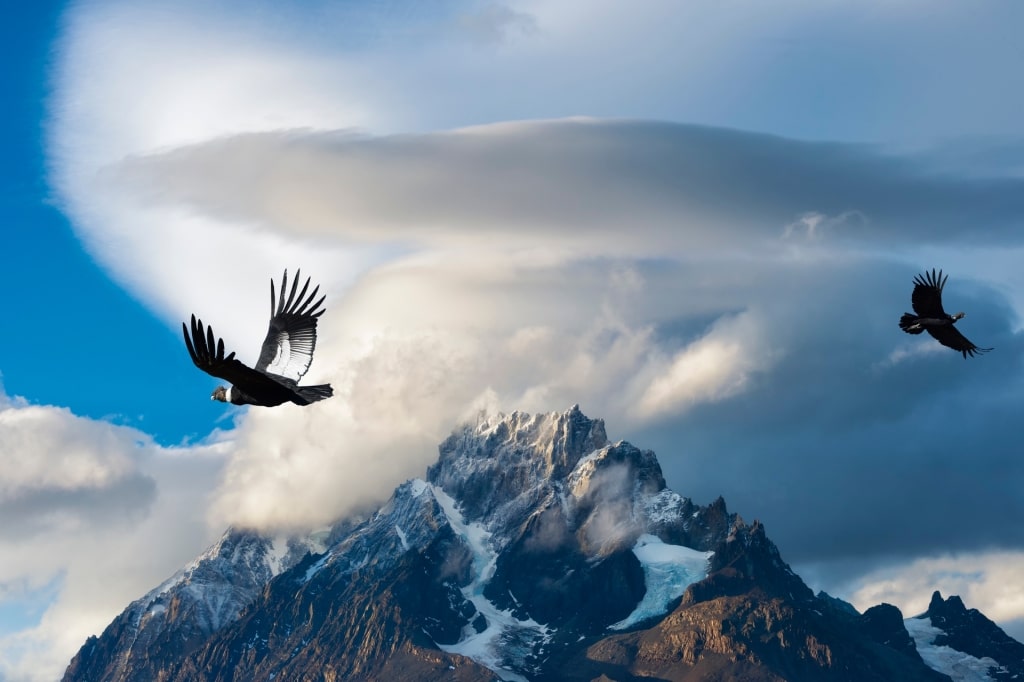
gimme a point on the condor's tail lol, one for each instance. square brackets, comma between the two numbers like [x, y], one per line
[908, 323]
[311, 394]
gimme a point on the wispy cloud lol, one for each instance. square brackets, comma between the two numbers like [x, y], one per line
[714, 368]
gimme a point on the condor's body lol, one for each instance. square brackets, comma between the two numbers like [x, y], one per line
[285, 356]
[932, 318]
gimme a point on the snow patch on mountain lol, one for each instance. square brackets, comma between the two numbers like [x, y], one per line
[315, 568]
[505, 640]
[959, 666]
[277, 553]
[418, 486]
[668, 571]
[475, 535]
[664, 507]
[402, 537]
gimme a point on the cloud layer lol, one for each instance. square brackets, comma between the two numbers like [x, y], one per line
[632, 188]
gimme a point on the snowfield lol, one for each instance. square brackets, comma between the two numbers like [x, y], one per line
[958, 665]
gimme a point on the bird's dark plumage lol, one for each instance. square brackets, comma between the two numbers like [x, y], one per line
[284, 359]
[932, 318]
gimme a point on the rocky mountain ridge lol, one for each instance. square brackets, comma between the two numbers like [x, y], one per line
[533, 549]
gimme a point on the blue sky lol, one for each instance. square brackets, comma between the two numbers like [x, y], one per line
[60, 292]
[699, 222]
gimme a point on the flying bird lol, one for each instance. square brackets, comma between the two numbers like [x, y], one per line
[927, 303]
[284, 359]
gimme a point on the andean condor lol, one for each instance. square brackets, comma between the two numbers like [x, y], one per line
[285, 357]
[927, 302]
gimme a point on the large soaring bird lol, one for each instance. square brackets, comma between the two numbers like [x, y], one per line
[927, 302]
[286, 355]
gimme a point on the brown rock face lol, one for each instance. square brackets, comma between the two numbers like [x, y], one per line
[751, 620]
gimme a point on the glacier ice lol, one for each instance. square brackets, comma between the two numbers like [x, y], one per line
[959, 666]
[668, 571]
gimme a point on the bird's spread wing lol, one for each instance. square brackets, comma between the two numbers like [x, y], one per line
[951, 337]
[927, 296]
[207, 353]
[291, 339]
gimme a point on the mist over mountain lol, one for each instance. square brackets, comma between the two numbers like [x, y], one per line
[533, 549]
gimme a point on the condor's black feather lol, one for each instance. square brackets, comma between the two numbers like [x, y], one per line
[931, 317]
[285, 356]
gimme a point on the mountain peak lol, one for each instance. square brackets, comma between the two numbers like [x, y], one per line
[561, 437]
[502, 457]
[938, 607]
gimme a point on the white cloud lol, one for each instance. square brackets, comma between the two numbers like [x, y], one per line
[80, 506]
[922, 346]
[987, 581]
[814, 225]
[47, 448]
[715, 367]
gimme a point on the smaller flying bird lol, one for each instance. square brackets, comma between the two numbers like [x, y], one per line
[927, 302]
[284, 359]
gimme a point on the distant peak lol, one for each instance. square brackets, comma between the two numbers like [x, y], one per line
[945, 608]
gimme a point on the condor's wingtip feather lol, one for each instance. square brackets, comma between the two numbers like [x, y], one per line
[273, 298]
[974, 351]
[197, 338]
[285, 299]
[211, 343]
[295, 301]
[299, 305]
[188, 344]
[291, 294]
[933, 279]
[306, 308]
[316, 305]
[276, 310]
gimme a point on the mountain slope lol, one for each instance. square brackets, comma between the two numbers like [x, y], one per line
[533, 549]
[964, 644]
[181, 614]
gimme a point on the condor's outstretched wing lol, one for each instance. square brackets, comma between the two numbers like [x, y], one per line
[208, 355]
[927, 296]
[291, 339]
[951, 337]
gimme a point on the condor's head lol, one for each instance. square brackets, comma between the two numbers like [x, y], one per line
[221, 393]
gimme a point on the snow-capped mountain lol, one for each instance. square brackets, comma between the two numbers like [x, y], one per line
[188, 608]
[533, 549]
[964, 644]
